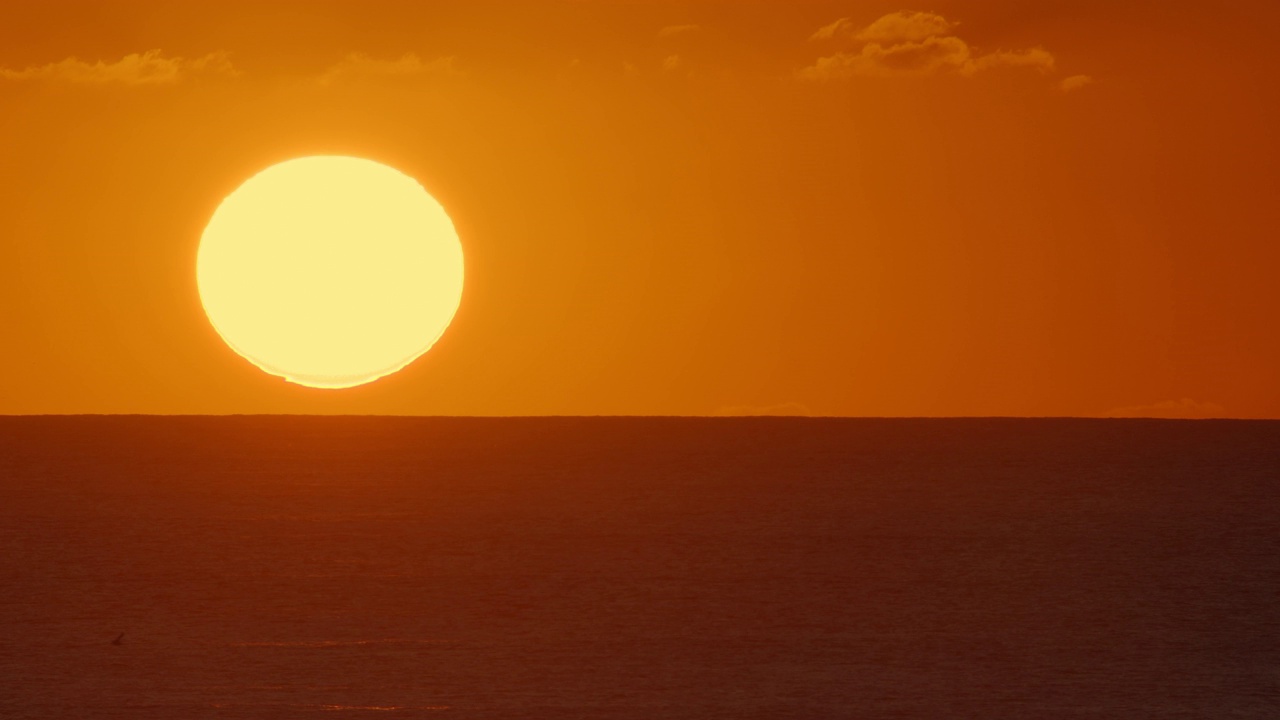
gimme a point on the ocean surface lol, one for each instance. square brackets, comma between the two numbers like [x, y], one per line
[282, 567]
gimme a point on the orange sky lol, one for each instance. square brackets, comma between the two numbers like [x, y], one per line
[997, 208]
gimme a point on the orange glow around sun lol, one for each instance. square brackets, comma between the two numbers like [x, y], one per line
[330, 272]
[671, 208]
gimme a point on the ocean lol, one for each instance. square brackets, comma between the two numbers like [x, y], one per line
[352, 567]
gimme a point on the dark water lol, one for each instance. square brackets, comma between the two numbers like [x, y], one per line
[638, 568]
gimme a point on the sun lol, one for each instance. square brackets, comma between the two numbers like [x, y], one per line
[330, 271]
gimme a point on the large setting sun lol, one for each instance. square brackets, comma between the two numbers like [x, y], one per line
[330, 271]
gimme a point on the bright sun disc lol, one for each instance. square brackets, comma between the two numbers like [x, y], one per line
[330, 271]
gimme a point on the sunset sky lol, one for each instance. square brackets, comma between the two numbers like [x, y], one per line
[975, 207]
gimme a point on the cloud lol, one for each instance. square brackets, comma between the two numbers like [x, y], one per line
[672, 62]
[1034, 58]
[906, 26]
[840, 28]
[148, 68]
[911, 43]
[1184, 409]
[1075, 82]
[790, 409]
[674, 30]
[407, 65]
[909, 58]
[902, 26]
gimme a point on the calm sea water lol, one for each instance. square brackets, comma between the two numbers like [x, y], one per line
[279, 567]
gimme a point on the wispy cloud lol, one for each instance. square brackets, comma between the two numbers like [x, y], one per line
[840, 28]
[407, 65]
[148, 68]
[900, 27]
[910, 43]
[1075, 82]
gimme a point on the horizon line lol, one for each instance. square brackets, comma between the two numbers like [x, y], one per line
[627, 416]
